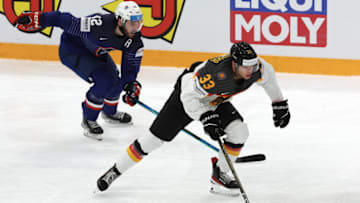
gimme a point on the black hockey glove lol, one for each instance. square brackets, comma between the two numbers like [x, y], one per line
[281, 114]
[29, 21]
[211, 122]
[132, 94]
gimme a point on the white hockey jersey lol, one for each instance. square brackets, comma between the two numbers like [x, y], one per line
[212, 83]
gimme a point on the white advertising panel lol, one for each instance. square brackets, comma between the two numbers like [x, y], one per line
[299, 28]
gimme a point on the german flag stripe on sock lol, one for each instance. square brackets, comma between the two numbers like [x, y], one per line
[133, 154]
[235, 151]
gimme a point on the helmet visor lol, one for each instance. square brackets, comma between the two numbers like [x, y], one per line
[251, 63]
[137, 21]
[136, 17]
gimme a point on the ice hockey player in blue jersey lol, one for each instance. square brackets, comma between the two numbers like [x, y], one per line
[84, 48]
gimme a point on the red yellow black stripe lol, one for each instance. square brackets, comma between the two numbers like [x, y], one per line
[134, 154]
[235, 151]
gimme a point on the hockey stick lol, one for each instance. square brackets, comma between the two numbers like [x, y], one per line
[184, 130]
[231, 166]
[250, 158]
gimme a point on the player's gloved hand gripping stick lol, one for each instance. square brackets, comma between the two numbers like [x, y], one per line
[132, 92]
[211, 122]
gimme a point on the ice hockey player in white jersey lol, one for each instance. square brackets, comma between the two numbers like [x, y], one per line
[202, 93]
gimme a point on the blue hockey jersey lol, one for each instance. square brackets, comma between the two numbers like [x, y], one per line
[95, 34]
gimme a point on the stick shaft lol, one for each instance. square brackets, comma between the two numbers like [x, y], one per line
[231, 166]
[184, 130]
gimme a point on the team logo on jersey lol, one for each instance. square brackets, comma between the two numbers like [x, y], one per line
[221, 76]
[13, 8]
[161, 17]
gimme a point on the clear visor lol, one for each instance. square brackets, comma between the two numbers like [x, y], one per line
[248, 63]
[136, 17]
[137, 21]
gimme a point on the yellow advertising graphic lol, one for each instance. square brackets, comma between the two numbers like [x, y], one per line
[12, 8]
[161, 17]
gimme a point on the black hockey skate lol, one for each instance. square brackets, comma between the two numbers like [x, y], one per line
[222, 183]
[92, 129]
[117, 118]
[105, 180]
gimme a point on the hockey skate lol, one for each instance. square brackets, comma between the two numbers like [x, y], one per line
[117, 118]
[92, 129]
[105, 180]
[222, 183]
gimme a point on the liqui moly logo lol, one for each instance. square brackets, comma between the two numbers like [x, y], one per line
[279, 22]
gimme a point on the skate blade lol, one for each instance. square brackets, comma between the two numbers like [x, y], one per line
[221, 190]
[96, 191]
[117, 123]
[97, 137]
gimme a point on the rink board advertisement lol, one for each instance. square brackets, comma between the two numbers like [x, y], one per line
[300, 36]
[11, 9]
[279, 22]
[164, 29]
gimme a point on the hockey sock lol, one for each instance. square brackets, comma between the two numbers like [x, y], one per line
[136, 151]
[110, 105]
[92, 106]
[233, 151]
[128, 158]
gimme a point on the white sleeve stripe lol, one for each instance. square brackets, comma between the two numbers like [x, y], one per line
[198, 88]
[139, 52]
[89, 103]
[111, 101]
[85, 24]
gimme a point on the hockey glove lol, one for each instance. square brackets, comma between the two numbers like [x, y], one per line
[132, 92]
[281, 114]
[211, 122]
[29, 21]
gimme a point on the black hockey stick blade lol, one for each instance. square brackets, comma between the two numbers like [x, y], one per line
[250, 158]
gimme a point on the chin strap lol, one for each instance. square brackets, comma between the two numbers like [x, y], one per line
[122, 27]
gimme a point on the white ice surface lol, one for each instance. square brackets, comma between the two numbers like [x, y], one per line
[45, 158]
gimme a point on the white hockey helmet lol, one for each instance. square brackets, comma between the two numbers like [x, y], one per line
[128, 10]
